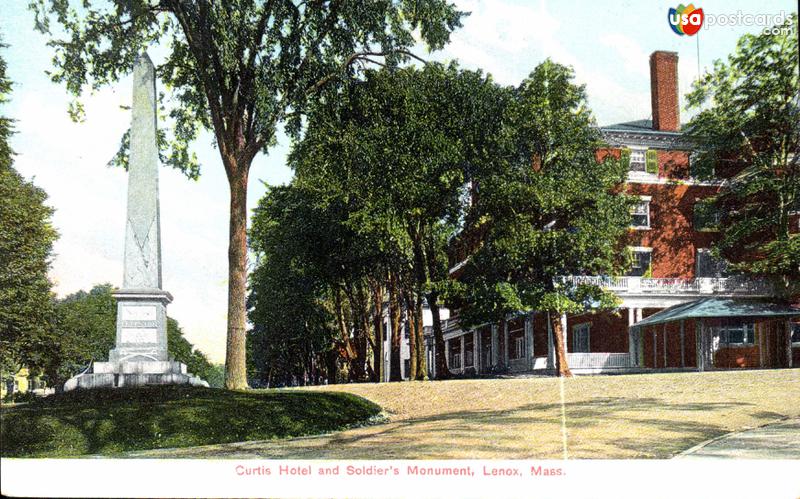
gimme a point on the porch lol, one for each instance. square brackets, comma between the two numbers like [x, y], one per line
[525, 344]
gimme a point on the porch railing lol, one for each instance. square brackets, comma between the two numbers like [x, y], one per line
[597, 360]
[700, 285]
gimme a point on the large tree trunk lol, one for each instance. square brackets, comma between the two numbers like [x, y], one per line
[422, 370]
[412, 342]
[395, 316]
[377, 350]
[235, 354]
[561, 347]
[440, 359]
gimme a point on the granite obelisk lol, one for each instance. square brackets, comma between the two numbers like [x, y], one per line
[141, 303]
[140, 356]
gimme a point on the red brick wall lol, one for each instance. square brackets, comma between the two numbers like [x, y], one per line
[608, 332]
[671, 234]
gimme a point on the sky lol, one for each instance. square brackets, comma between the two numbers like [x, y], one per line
[608, 44]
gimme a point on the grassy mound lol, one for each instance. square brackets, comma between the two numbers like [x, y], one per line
[117, 420]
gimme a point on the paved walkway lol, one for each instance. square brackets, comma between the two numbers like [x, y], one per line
[775, 441]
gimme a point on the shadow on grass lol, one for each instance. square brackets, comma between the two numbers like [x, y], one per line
[659, 429]
[119, 420]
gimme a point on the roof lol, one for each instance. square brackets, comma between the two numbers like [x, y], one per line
[636, 126]
[720, 308]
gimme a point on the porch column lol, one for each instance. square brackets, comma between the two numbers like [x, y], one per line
[665, 344]
[463, 357]
[683, 343]
[789, 343]
[655, 348]
[637, 317]
[476, 351]
[505, 343]
[564, 332]
[447, 353]
[529, 339]
[551, 346]
[495, 345]
[633, 338]
[700, 345]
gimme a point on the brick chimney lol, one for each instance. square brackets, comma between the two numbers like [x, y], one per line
[664, 91]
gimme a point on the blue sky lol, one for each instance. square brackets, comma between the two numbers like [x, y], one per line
[607, 43]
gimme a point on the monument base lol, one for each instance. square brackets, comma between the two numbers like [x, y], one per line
[132, 374]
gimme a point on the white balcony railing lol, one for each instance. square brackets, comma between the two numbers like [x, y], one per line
[596, 360]
[700, 285]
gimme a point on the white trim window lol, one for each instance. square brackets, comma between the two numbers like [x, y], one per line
[796, 335]
[737, 335]
[638, 160]
[640, 213]
[580, 337]
[641, 261]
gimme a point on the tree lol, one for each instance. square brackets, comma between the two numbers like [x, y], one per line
[293, 333]
[26, 242]
[748, 130]
[403, 143]
[85, 329]
[238, 68]
[181, 350]
[552, 210]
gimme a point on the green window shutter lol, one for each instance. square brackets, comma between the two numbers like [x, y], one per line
[625, 157]
[651, 161]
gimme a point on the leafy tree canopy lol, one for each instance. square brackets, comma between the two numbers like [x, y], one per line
[26, 242]
[748, 129]
[553, 210]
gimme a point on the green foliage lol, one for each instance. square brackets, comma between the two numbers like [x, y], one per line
[749, 130]
[552, 211]
[26, 242]
[181, 350]
[112, 421]
[85, 328]
[239, 67]
[298, 246]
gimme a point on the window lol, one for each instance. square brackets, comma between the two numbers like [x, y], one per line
[796, 334]
[469, 352]
[640, 262]
[637, 160]
[737, 335]
[706, 215]
[455, 353]
[640, 214]
[580, 338]
[708, 265]
[518, 346]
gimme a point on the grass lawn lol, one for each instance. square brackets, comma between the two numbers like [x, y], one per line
[112, 421]
[630, 416]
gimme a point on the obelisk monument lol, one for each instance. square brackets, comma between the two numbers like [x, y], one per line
[140, 356]
[141, 303]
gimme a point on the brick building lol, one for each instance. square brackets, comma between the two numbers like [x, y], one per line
[671, 232]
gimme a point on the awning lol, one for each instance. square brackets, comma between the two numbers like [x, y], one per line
[720, 308]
